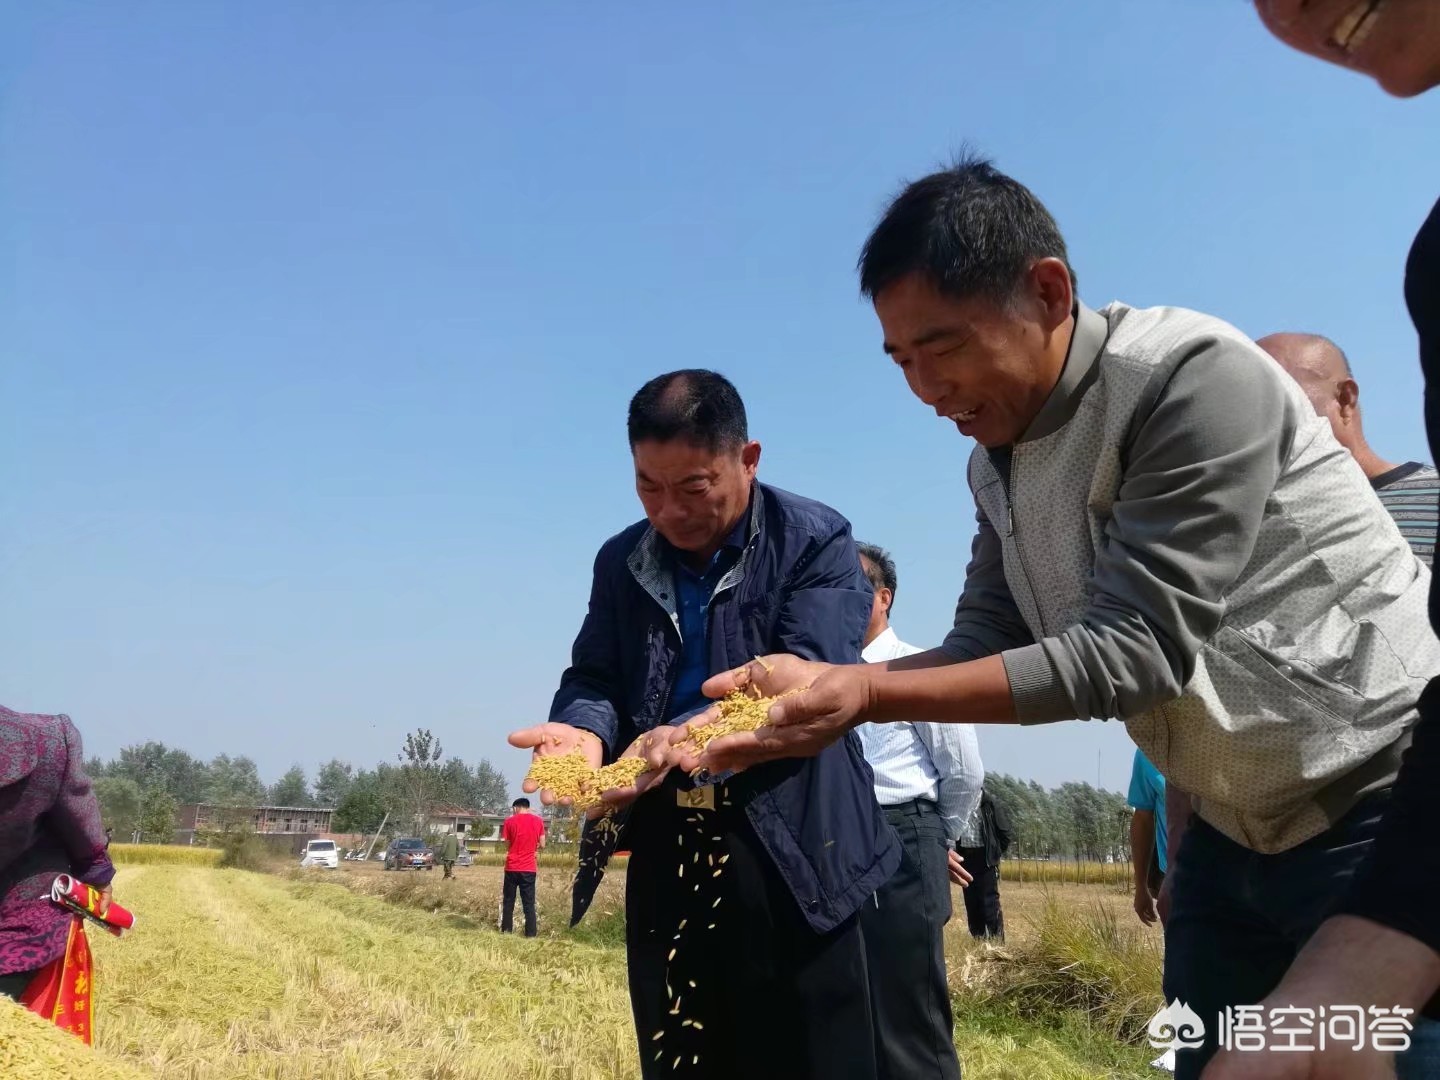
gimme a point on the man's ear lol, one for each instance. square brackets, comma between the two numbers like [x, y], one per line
[1347, 396]
[750, 457]
[1054, 291]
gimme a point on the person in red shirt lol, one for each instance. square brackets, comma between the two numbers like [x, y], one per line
[524, 835]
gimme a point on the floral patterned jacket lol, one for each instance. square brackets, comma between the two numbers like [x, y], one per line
[49, 825]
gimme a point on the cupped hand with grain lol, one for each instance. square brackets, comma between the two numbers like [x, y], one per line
[816, 704]
[556, 740]
[653, 748]
[573, 757]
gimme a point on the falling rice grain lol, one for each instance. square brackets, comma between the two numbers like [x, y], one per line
[717, 902]
[672, 954]
[658, 1035]
[698, 1025]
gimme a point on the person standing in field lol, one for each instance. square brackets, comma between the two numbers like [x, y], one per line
[1148, 857]
[49, 825]
[984, 839]
[742, 900]
[1167, 535]
[449, 852]
[927, 780]
[524, 836]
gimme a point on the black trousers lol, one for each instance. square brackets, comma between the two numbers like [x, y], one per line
[1238, 918]
[982, 895]
[13, 985]
[904, 929]
[726, 977]
[522, 881]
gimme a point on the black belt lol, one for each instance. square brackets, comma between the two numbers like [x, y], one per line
[913, 808]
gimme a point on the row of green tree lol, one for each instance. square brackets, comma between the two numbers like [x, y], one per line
[1073, 820]
[142, 788]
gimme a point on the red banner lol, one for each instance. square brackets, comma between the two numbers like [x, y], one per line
[62, 991]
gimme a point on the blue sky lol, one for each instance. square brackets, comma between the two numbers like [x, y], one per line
[320, 319]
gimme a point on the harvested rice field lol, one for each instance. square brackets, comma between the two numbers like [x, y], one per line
[360, 973]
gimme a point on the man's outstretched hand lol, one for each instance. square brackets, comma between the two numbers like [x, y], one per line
[823, 703]
[556, 740]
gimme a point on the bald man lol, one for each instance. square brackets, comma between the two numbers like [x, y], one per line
[1409, 491]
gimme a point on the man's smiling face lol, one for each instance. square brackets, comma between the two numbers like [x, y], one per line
[984, 365]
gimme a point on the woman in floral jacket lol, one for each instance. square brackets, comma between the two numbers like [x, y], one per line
[49, 825]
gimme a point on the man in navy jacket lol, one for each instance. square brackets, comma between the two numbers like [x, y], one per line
[742, 896]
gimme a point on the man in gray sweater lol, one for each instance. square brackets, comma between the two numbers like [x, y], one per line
[1167, 535]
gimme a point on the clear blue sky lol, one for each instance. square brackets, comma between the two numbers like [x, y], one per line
[320, 319]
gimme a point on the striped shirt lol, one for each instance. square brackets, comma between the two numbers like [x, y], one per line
[1411, 492]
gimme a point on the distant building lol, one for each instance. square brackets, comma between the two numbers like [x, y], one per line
[471, 826]
[266, 820]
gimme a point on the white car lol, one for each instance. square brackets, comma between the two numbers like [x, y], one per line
[321, 853]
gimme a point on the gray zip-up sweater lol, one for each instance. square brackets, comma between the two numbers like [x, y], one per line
[1179, 542]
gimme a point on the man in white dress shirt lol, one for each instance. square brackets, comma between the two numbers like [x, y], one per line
[927, 779]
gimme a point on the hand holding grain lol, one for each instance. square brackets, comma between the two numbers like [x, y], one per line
[652, 748]
[556, 740]
[818, 704]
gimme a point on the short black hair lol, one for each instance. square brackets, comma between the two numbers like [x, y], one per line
[521, 803]
[879, 568]
[698, 406]
[972, 230]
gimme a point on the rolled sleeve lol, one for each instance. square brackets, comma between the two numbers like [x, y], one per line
[1200, 469]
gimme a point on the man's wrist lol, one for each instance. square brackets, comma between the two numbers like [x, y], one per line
[1371, 960]
[870, 700]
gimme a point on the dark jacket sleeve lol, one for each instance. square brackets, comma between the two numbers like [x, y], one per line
[1399, 886]
[75, 817]
[827, 601]
[591, 693]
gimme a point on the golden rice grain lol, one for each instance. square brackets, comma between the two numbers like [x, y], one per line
[569, 776]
